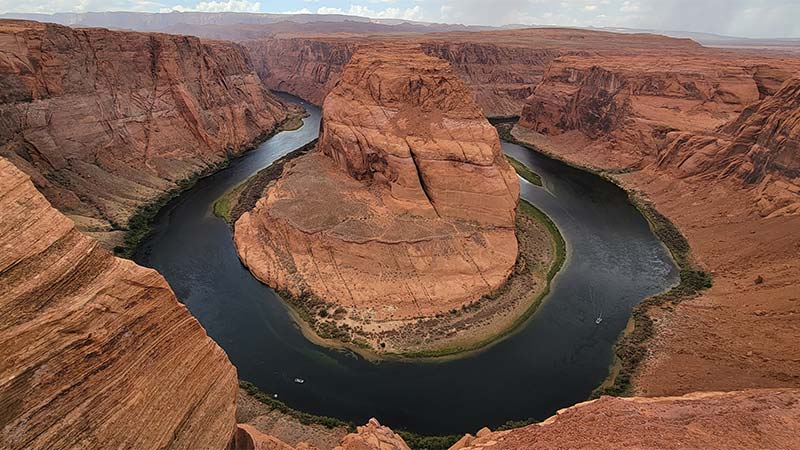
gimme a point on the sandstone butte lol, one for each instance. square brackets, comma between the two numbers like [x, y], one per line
[714, 145]
[105, 122]
[407, 208]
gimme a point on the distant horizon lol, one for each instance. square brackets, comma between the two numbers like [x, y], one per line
[748, 19]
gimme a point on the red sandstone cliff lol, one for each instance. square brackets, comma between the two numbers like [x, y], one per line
[406, 210]
[105, 121]
[759, 149]
[95, 351]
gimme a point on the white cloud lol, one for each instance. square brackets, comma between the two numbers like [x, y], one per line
[219, 6]
[414, 13]
[328, 10]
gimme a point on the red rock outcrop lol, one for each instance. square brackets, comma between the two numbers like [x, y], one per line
[760, 148]
[373, 436]
[406, 209]
[106, 121]
[95, 351]
[757, 419]
[626, 104]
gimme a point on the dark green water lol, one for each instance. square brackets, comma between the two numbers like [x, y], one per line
[555, 360]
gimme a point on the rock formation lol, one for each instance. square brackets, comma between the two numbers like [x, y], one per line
[95, 351]
[760, 148]
[406, 209]
[106, 121]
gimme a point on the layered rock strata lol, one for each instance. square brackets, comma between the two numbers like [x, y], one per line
[407, 208]
[95, 351]
[107, 121]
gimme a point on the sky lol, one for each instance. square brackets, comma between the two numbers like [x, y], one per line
[748, 18]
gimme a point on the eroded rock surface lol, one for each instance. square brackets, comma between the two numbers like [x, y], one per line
[95, 351]
[106, 121]
[406, 209]
[620, 108]
[759, 149]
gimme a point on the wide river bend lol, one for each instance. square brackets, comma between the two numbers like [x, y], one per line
[554, 360]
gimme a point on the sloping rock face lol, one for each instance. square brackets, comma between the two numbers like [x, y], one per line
[371, 436]
[308, 68]
[407, 207]
[95, 351]
[757, 419]
[760, 148]
[106, 121]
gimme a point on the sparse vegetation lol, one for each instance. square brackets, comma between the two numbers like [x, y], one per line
[523, 171]
[419, 442]
[302, 417]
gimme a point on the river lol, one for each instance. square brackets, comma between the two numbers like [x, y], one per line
[554, 360]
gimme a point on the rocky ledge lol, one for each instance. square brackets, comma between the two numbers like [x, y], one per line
[406, 211]
[95, 351]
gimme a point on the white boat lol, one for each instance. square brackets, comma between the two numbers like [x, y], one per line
[299, 380]
[599, 319]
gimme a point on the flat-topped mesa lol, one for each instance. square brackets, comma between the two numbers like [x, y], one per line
[407, 208]
[402, 118]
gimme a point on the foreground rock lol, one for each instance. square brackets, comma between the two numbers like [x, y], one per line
[106, 121]
[758, 419]
[95, 351]
[407, 209]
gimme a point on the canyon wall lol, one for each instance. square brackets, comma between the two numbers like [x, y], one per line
[106, 121]
[95, 351]
[712, 143]
[623, 106]
[760, 149]
[501, 68]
